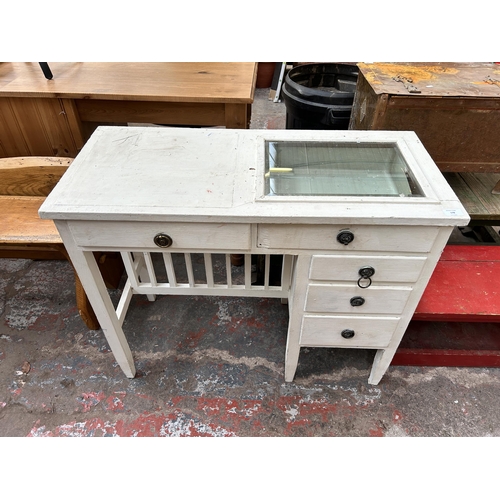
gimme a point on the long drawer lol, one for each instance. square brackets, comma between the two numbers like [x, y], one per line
[324, 237]
[346, 268]
[125, 235]
[326, 331]
[337, 299]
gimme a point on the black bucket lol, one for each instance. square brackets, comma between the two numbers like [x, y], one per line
[320, 96]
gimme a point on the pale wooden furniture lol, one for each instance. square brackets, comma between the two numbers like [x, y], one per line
[24, 184]
[55, 117]
[354, 265]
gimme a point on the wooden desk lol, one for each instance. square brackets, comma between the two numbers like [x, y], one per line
[56, 117]
[163, 196]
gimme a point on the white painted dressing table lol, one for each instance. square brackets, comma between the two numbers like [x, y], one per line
[360, 219]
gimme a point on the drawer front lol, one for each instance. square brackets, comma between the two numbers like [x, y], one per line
[324, 237]
[337, 299]
[122, 235]
[346, 268]
[326, 331]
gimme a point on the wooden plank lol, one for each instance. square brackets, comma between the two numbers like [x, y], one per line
[162, 81]
[20, 222]
[12, 142]
[474, 190]
[446, 357]
[31, 176]
[463, 286]
[207, 114]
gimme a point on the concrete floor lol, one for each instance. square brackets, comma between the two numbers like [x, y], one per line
[210, 367]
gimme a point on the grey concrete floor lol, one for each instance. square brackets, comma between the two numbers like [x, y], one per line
[210, 366]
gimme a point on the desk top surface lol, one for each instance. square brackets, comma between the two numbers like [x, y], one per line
[434, 79]
[158, 81]
[218, 175]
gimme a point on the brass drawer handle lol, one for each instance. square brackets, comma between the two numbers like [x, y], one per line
[163, 240]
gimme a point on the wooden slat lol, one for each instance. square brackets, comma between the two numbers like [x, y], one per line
[31, 176]
[20, 223]
[474, 191]
[209, 271]
[189, 269]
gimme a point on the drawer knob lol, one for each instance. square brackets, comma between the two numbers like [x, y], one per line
[163, 240]
[365, 273]
[357, 301]
[345, 237]
[347, 334]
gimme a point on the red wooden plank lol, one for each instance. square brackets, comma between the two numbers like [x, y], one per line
[446, 357]
[464, 286]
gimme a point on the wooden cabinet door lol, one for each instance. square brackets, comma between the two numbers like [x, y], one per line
[39, 127]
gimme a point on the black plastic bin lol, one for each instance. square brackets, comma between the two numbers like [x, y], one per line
[319, 96]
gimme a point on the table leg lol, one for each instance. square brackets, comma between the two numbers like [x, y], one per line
[97, 293]
[237, 116]
[383, 358]
[297, 300]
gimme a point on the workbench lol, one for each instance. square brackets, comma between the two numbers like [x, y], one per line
[358, 218]
[56, 117]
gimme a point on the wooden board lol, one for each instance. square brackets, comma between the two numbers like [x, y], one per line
[20, 222]
[474, 190]
[464, 286]
[175, 81]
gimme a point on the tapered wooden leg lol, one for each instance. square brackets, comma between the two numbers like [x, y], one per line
[97, 293]
[383, 358]
[297, 300]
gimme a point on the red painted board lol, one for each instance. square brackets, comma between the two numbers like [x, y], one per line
[464, 286]
[446, 357]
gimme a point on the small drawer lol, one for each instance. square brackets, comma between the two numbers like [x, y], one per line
[365, 238]
[140, 235]
[326, 331]
[337, 299]
[346, 268]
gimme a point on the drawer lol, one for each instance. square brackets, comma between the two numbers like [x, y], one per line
[324, 237]
[326, 331]
[198, 236]
[337, 299]
[346, 268]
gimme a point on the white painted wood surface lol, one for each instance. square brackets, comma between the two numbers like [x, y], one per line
[205, 189]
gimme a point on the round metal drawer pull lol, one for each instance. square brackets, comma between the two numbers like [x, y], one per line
[357, 301]
[365, 273]
[347, 334]
[163, 240]
[345, 237]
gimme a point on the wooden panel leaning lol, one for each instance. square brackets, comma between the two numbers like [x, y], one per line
[24, 184]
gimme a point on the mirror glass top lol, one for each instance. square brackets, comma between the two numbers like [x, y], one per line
[337, 169]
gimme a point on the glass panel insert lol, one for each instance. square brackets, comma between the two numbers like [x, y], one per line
[337, 169]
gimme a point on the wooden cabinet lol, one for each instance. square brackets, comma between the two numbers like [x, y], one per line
[354, 264]
[454, 108]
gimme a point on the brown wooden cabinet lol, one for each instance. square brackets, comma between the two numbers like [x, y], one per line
[453, 108]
